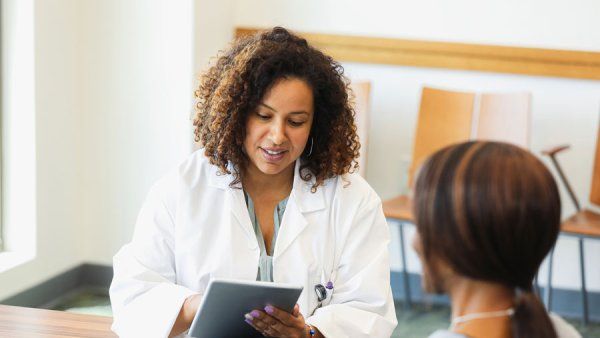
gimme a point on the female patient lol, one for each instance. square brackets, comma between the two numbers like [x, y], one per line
[487, 214]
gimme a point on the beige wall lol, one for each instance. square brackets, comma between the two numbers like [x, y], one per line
[136, 100]
[111, 97]
[51, 212]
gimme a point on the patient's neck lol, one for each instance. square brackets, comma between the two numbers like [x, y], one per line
[470, 296]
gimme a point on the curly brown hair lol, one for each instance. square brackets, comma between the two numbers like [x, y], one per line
[236, 84]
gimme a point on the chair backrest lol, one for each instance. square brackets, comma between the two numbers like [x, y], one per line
[445, 117]
[362, 108]
[504, 117]
[595, 192]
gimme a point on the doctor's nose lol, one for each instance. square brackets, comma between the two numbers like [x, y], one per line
[277, 134]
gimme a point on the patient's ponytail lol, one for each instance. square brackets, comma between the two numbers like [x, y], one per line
[530, 319]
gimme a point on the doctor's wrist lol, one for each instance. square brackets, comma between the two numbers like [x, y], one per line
[308, 333]
[190, 307]
[186, 315]
[312, 332]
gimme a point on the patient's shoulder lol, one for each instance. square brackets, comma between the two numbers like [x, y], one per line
[562, 328]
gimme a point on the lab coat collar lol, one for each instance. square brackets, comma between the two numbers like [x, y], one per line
[300, 202]
[216, 179]
[306, 200]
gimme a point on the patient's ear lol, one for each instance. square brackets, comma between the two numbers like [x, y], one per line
[416, 244]
[437, 274]
[441, 276]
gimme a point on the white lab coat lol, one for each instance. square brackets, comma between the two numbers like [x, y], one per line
[193, 227]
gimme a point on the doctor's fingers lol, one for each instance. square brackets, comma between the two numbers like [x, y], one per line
[261, 320]
[290, 326]
[283, 331]
[261, 327]
[295, 319]
[272, 327]
[269, 325]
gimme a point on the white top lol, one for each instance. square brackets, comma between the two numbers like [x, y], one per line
[194, 227]
[562, 328]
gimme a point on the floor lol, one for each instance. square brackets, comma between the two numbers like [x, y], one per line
[419, 322]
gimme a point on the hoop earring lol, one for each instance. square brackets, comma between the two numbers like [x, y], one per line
[311, 147]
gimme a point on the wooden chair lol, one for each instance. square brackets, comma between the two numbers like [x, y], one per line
[504, 117]
[362, 101]
[445, 117]
[583, 224]
[448, 117]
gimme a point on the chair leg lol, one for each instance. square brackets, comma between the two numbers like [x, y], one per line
[404, 269]
[584, 299]
[548, 291]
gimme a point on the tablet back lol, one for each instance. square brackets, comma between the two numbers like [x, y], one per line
[221, 313]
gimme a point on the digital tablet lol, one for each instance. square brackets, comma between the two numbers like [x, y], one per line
[225, 302]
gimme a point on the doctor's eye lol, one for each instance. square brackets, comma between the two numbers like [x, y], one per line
[296, 123]
[263, 116]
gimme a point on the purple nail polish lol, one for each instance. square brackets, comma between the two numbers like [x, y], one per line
[255, 314]
[329, 285]
[269, 309]
[247, 321]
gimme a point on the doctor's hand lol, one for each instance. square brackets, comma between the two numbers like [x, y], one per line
[273, 322]
[186, 315]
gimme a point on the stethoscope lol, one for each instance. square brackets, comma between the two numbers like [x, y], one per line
[322, 293]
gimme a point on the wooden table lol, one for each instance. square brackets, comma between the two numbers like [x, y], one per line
[22, 322]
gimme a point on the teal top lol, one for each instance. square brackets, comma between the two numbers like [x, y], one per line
[265, 263]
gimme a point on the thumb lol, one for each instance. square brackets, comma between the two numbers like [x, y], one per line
[296, 311]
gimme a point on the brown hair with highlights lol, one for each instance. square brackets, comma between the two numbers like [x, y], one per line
[234, 86]
[491, 212]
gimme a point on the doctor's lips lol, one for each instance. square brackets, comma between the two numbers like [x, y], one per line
[273, 154]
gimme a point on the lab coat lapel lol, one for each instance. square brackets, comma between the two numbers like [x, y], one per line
[239, 209]
[292, 225]
[301, 202]
[235, 201]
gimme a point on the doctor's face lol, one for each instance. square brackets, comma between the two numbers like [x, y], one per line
[277, 130]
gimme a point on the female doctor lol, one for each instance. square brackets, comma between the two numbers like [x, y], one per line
[269, 197]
